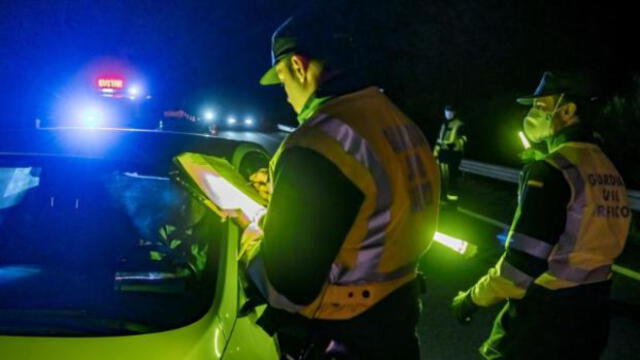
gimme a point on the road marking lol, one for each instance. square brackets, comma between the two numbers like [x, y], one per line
[616, 268]
[483, 218]
[626, 272]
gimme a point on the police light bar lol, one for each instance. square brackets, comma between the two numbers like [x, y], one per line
[111, 83]
[460, 246]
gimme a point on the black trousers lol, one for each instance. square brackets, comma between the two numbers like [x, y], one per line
[449, 162]
[386, 331]
[562, 324]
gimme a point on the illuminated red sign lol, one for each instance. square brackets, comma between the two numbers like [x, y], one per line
[110, 83]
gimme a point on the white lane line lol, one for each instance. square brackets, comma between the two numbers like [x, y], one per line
[626, 272]
[616, 268]
[483, 218]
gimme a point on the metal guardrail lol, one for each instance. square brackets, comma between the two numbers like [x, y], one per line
[512, 175]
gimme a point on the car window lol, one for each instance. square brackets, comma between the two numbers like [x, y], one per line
[91, 247]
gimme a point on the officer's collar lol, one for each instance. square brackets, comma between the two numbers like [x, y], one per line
[342, 83]
[311, 107]
[573, 133]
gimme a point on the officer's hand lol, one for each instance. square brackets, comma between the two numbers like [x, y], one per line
[463, 307]
[531, 154]
[249, 241]
[260, 181]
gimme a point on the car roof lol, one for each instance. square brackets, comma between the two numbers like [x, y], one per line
[130, 145]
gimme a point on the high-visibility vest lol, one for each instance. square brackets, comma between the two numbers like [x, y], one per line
[449, 136]
[387, 157]
[598, 218]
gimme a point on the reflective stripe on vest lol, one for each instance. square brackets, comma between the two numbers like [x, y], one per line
[577, 275]
[561, 268]
[569, 238]
[589, 244]
[372, 246]
[530, 245]
[449, 131]
[510, 272]
[388, 159]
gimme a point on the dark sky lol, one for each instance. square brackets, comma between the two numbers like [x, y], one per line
[477, 55]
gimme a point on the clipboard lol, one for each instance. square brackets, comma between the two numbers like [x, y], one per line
[218, 185]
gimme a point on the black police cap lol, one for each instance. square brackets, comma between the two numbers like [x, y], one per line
[312, 34]
[570, 84]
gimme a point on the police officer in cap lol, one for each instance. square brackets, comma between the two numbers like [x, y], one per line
[571, 223]
[449, 150]
[354, 205]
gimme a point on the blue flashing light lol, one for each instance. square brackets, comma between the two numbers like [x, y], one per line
[503, 237]
[91, 118]
[11, 273]
[248, 121]
[231, 120]
[134, 91]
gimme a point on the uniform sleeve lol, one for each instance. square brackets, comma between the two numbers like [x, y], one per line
[312, 209]
[537, 226]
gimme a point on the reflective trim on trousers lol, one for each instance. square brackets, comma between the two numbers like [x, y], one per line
[578, 275]
[514, 274]
[530, 245]
[372, 246]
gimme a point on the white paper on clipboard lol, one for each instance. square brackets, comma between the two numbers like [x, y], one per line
[222, 184]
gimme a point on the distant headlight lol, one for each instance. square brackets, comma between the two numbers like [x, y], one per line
[209, 116]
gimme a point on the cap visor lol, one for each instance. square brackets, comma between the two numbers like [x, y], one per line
[270, 77]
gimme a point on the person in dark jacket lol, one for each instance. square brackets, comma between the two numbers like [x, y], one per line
[449, 151]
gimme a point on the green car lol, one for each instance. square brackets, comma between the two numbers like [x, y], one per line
[104, 256]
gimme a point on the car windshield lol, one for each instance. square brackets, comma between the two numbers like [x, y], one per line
[90, 247]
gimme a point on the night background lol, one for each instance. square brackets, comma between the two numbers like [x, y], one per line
[476, 55]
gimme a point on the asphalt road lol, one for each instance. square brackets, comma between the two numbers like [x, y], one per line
[447, 273]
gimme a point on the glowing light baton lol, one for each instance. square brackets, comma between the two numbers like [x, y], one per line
[525, 141]
[460, 246]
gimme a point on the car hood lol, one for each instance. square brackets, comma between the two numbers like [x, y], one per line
[201, 340]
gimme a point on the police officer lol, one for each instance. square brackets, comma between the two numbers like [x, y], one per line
[571, 223]
[449, 150]
[354, 204]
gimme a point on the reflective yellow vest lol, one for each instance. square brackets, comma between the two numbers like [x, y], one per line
[386, 156]
[449, 138]
[596, 228]
[598, 218]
